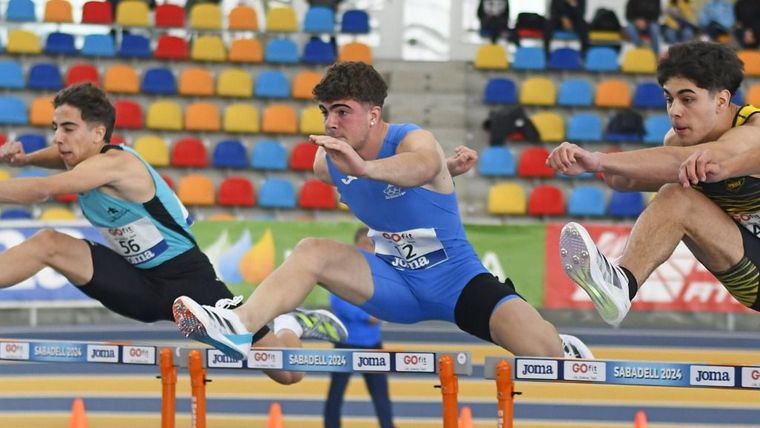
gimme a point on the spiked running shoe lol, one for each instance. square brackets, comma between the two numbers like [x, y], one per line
[605, 282]
[215, 325]
[321, 324]
[574, 348]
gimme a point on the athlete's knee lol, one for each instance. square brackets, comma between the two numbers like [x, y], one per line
[48, 243]
[315, 253]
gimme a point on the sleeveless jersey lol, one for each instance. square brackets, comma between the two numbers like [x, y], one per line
[147, 234]
[739, 196]
[415, 230]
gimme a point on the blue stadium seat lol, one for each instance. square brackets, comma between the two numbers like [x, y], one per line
[318, 51]
[11, 75]
[626, 204]
[272, 84]
[529, 58]
[565, 59]
[230, 154]
[564, 35]
[16, 214]
[319, 19]
[32, 172]
[12, 111]
[575, 93]
[655, 128]
[45, 76]
[586, 201]
[648, 95]
[281, 51]
[20, 11]
[602, 59]
[355, 21]
[32, 142]
[738, 97]
[100, 45]
[159, 81]
[135, 46]
[277, 193]
[584, 127]
[60, 44]
[270, 155]
[500, 90]
[496, 162]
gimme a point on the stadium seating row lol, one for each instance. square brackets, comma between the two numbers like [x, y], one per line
[203, 16]
[208, 47]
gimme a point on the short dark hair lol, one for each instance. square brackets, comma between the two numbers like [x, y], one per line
[352, 80]
[711, 66]
[360, 233]
[92, 102]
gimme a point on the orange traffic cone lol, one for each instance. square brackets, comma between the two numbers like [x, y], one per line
[465, 418]
[640, 421]
[78, 416]
[275, 416]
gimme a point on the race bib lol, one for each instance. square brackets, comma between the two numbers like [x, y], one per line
[410, 249]
[750, 221]
[138, 242]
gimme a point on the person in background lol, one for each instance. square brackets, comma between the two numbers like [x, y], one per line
[679, 21]
[363, 333]
[716, 18]
[747, 28]
[567, 15]
[494, 18]
[642, 16]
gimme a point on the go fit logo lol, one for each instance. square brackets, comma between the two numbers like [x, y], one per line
[415, 362]
[14, 351]
[585, 371]
[751, 377]
[138, 355]
[265, 360]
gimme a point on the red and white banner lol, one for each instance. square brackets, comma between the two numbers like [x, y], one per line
[679, 284]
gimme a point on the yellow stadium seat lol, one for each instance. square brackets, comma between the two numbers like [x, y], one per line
[491, 57]
[164, 115]
[538, 91]
[196, 189]
[550, 126]
[196, 81]
[355, 51]
[133, 13]
[312, 121]
[639, 60]
[121, 78]
[4, 174]
[57, 214]
[153, 149]
[241, 118]
[23, 42]
[282, 19]
[246, 50]
[279, 119]
[751, 60]
[304, 83]
[604, 36]
[58, 11]
[243, 18]
[613, 93]
[208, 48]
[202, 116]
[206, 16]
[222, 217]
[234, 82]
[506, 199]
[41, 111]
[753, 95]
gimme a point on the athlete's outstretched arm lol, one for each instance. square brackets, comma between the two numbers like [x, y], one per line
[463, 159]
[13, 154]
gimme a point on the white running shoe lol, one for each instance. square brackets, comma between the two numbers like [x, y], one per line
[574, 348]
[604, 281]
[214, 325]
[321, 324]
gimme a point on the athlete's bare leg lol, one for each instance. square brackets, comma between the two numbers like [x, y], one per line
[517, 327]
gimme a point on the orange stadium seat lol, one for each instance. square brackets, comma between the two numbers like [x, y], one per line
[205, 16]
[246, 51]
[121, 78]
[753, 96]
[243, 18]
[189, 152]
[355, 51]
[41, 111]
[202, 116]
[751, 60]
[196, 189]
[506, 199]
[302, 156]
[196, 81]
[546, 200]
[169, 16]
[237, 192]
[315, 194]
[279, 119]
[304, 83]
[153, 149]
[613, 93]
[58, 11]
[241, 118]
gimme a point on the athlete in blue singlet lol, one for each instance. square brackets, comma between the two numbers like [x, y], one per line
[396, 179]
[152, 257]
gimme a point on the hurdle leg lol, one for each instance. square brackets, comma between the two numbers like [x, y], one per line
[505, 391]
[198, 388]
[449, 389]
[168, 388]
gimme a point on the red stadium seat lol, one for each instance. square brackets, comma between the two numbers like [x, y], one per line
[189, 152]
[236, 191]
[170, 16]
[79, 73]
[97, 12]
[533, 163]
[317, 195]
[171, 47]
[546, 200]
[302, 156]
[128, 115]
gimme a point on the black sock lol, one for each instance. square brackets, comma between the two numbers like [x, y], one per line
[633, 286]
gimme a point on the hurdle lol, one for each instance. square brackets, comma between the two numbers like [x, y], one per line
[198, 360]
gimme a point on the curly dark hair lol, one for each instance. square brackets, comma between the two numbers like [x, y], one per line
[92, 102]
[352, 80]
[711, 66]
